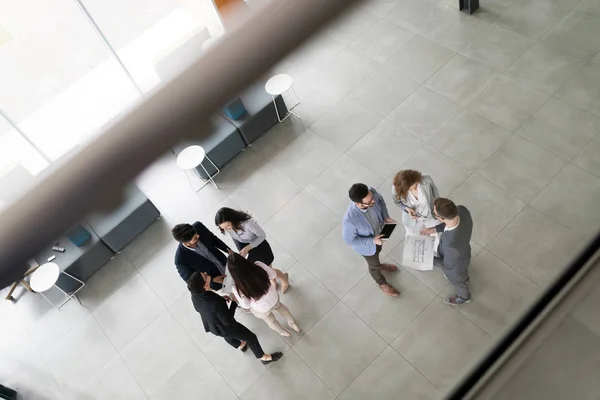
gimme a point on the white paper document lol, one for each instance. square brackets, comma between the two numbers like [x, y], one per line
[418, 252]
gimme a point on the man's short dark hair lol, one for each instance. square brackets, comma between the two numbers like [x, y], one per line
[357, 192]
[445, 208]
[183, 232]
[196, 283]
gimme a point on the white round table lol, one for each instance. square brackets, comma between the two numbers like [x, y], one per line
[191, 158]
[44, 277]
[278, 85]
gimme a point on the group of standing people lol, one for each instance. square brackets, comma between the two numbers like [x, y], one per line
[424, 212]
[204, 261]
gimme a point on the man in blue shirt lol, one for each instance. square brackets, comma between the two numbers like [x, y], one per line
[364, 219]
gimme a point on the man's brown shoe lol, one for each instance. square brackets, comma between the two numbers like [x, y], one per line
[389, 290]
[388, 267]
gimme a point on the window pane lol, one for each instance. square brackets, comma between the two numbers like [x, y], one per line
[58, 82]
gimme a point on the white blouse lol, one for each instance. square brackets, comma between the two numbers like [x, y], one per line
[265, 303]
[251, 233]
[420, 205]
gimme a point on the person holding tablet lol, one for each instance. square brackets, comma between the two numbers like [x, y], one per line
[414, 193]
[250, 239]
[366, 216]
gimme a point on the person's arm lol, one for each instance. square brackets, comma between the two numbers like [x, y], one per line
[440, 228]
[252, 226]
[242, 301]
[351, 238]
[184, 270]
[435, 193]
[397, 200]
[223, 313]
[381, 202]
[218, 243]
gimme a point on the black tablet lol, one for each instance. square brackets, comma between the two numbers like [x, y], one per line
[387, 230]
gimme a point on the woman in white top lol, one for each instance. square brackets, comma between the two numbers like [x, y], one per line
[249, 238]
[255, 290]
[414, 193]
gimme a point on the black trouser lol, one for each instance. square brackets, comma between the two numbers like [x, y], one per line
[238, 333]
[375, 266]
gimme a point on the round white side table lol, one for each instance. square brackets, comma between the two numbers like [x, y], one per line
[278, 85]
[46, 276]
[191, 158]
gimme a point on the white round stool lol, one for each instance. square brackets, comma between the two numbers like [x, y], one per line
[191, 158]
[276, 86]
[46, 276]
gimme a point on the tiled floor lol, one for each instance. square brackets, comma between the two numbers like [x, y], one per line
[502, 108]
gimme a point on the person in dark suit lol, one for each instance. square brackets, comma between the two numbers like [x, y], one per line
[200, 250]
[219, 320]
[454, 249]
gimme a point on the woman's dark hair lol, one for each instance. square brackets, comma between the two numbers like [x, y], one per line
[250, 280]
[227, 214]
[404, 180]
[357, 192]
[196, 283]
[183, 232]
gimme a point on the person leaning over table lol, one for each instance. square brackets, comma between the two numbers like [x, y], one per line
[250, 239]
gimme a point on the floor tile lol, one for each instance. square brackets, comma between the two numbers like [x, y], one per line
[239, 170]
[288, 379]
[340, 328]
[521, 168]
[351, 25]
[129, 311]
[335, 264]
[34, 370]
[265, 193]
[367, 301]
[419, 59]
[536, 245]
[382, 40]
[586, 311]
[576, 34]
[383, 91]
[391, 145]
[508, 103]
[497, 47]
[316, 52]
[306, 158]
[545, 68]
[106, 281]
[464, 343]
[568, 198]
[348, 70]
[588, 157]
[143, 247]
[491, 10]
[162, 276]
[424, 113]
[469, 139]
[81, 353]
[331, 187]
[415, 15]
[379, 7]
[560, 128]
[113, 381]
[583, 90]
[533, 18]
[171, 349]
[393, 375]
[461, 79]
[307, 298]
[279, 137]
[569, 344]
[297, 236]
[454, 29]
[491, 208]
[345, 123]
[445, 172]
[183, 310]
[196, 380]
[500, 294]
[314, 102]
[590, 7]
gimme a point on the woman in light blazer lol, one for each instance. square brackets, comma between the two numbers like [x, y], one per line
[250, 239]
[414, 193]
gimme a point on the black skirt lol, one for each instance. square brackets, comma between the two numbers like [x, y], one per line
[262, 253]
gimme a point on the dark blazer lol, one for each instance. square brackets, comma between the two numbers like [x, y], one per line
[188, 261]
[454, 248]
[216, 316]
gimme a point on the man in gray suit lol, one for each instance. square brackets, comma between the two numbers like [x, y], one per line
[454, 249]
